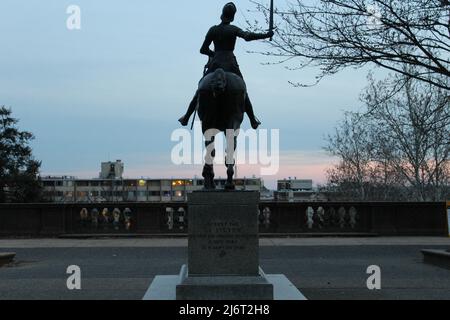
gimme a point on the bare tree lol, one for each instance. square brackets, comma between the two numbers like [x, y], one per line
[392, 34]
[398, 149]
[351, 143]
[384, 179]
[416, 124]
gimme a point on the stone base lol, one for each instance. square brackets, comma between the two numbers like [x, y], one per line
[164, 288]
[440, 258]
[223, 251]
[223, 234]
[6, 258]
[224, 287]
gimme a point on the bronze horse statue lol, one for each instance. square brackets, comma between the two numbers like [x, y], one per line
[221, 108]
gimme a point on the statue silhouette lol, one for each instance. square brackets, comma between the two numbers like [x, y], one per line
[224, 37]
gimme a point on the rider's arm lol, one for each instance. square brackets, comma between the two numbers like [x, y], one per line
[205, 47]
[250, 36]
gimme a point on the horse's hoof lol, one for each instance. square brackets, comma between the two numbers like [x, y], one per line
[209, 186]
[230, 187]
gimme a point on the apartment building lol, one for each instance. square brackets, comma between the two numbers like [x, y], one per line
[71, 189]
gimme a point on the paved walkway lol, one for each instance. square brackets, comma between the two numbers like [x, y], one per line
[322, 268]
[281, 242]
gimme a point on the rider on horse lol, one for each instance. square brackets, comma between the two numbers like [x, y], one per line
[224, 38]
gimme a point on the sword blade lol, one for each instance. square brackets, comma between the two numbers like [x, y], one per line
[271, 18]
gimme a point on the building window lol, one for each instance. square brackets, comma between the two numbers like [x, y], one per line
[106, 194]
[178, 194]
[81, 194]
[106, 183]
[130, 183]
[178, 183]
[166, 183]
[154, 183]
[252, 182]
[68, 183]
[82, 183]
[142, 183]
[68, 194]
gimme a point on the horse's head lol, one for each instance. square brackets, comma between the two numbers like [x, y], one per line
[218, 82]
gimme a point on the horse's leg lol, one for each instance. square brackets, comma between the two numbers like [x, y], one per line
[208, 169]
[230, 173]
[230, 166]
[208, 175]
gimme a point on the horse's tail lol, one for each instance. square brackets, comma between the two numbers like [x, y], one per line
[219, 82]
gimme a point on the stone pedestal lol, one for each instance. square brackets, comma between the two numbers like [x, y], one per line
[223, 254]
[223, 259]
[6, 257]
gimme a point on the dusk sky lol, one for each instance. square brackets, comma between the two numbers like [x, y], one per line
[115, 88]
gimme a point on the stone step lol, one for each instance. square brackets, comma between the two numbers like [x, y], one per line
[440, 258]
[184, 235]
[6, 257]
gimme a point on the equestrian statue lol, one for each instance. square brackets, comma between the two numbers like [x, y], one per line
[221, 99]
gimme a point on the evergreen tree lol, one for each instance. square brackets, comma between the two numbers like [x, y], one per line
[19, 171]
